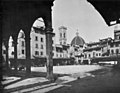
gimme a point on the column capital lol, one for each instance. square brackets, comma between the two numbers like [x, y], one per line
[27, 38]
[53, 34]
[49, 29]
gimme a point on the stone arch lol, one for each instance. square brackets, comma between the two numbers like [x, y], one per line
[39, 21]
[21, 45]
[11, 47]
[21, 15]
[38, 33]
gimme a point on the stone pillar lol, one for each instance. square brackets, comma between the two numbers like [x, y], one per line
[49, 54]
[7, 57]
[49, 47]
[15, 52]
[28, 54]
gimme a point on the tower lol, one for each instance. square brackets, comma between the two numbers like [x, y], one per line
[62, 35]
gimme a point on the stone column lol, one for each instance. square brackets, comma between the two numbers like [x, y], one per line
[15, 52]
[49, 54]
[49, 47]
[7, 57]
[28, 54]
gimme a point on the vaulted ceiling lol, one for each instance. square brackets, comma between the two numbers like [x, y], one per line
[109, 9]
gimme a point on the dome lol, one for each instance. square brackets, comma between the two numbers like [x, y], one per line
[77, 40]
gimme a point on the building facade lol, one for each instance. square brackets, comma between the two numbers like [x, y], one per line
[21, 45]
[78, 49]
[38, 42]
[115, 44]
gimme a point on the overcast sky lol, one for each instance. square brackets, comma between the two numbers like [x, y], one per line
[81, 15]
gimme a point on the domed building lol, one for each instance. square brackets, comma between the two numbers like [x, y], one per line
[76, 49]
[77, 41]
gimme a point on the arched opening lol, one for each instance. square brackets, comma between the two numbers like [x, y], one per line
[21, 45]
[11, 48]
[21, 16]
[38, 42]
[11, 61]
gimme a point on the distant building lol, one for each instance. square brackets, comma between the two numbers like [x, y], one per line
[57, 51]
[61, 50]
[38, 42]
[63, 35]
[115, 44]
[92, 50]
[76, 48]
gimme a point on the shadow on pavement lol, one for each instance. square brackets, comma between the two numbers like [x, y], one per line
[23, 76]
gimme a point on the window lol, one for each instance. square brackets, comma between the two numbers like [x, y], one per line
[36, 52]
[56, 55]
[117, 45]
[60, 55]
[60, 43]
[60, 35]
[41, 39]
[75, 49]
[99, 54]
[41, 53]
[64, 35]
[36, 38]
[23, 44]
[93, 54]
[41, 46]
[36, 45]
[117, 37]
[96, 54]
[22, 51]
[12, 53]
[117, 51]
[89, 55]
[111, 45]
[112, 51]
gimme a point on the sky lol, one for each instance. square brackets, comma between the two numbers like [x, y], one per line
[81, 15]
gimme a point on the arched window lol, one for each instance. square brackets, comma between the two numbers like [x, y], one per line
[60, 35]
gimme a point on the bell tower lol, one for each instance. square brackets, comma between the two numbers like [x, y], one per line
[62, 35]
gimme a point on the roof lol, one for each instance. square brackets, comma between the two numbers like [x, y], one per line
[39, 30]
[77, 40]
[93, 43]
[93, 48]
